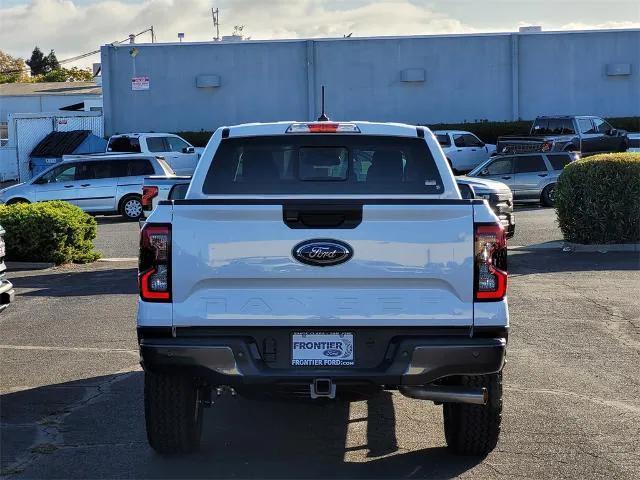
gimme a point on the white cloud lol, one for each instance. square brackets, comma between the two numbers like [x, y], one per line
[75, 28]
[72, 29]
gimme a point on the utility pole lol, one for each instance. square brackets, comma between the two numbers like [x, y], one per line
[153, 35]
[215, 15]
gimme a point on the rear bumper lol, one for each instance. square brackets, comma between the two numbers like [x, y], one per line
[238, 360]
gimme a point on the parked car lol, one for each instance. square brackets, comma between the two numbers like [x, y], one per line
[634, 142]
[323, 259]
[530, 177]
[181, 156]
[97, 184]
[497, 194]
[7, 293]
[157, 188]
[463, 150]
[566, 133]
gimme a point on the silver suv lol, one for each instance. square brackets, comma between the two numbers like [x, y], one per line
[97, 183]
[529, 176]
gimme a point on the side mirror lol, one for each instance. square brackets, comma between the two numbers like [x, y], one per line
[188, 150]
[613, 132]
[484, 172]
[466, 191]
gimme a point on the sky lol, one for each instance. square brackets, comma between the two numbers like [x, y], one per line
[73, 27]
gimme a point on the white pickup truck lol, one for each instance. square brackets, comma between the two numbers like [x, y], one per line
[181, 156]
[323, 259]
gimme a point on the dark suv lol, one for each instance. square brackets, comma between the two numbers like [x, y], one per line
[585, 134]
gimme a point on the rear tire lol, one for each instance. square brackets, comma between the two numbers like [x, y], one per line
[15, 201]
[173, 413]
[131, 207]
[548, 195]
[475, 429]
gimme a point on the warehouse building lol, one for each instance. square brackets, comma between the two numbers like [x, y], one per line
[418, 79]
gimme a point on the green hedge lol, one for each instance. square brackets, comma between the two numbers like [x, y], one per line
[597, 199]
[490, 131]
[487, 131]
[55, 232]
[197, 139]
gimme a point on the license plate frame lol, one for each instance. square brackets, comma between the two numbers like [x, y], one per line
[322, 349]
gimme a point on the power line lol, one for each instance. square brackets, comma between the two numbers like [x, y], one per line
[88, 54]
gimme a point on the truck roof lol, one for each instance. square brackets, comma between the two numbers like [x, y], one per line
[366, 128]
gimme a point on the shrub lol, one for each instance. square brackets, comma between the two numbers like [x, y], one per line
[485, 130]
[490, 131]
[597, 199]
[55, 232]
[197, 139]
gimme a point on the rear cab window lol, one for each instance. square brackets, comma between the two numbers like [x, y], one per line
[157, 144]
[124, 144]
[317, 164]
[553, 126]
[444, 139]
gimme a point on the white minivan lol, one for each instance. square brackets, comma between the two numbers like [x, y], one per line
[95, 183]
[463, 150]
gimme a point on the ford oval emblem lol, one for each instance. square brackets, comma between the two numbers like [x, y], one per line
[332, 352]
[322, 252]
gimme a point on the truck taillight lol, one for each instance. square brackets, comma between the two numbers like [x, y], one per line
[154, 265]
[323, 127]
[490, 249]
[148, 194]
[547, 146]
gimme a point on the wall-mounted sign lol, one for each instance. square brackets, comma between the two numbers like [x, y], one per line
[140, 83]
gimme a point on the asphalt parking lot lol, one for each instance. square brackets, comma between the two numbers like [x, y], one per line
[71, 389]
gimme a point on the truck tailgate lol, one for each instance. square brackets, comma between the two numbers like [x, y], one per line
[233, 265]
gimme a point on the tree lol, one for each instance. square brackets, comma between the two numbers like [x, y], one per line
[52, 61]
[37, 62]
[41, 64]
[61, 74]
[11, 69]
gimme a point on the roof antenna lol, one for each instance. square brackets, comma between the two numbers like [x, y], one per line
[323, 116]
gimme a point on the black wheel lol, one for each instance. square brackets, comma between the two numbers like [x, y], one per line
[131, 207]
[475, 429]
[173, 413]
[15, 201]
[548, 195]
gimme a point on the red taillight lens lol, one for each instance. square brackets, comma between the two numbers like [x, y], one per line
[154, 266]
[490, 249]
[148, 194]
[546, 146]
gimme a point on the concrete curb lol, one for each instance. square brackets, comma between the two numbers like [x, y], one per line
[577, 247]
[13, 266]
[119, 259]
[613, 247]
